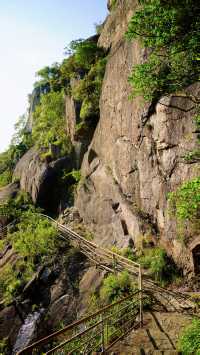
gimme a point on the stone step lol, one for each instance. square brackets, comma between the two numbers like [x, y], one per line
[159, 335]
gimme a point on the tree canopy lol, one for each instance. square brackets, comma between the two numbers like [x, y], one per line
[171, 32]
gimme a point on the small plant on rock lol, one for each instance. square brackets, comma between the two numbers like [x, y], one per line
[189, 342]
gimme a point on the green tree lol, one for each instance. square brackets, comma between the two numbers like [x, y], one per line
[170, 31]
[49, 123]
[20, 143]
[86, 52]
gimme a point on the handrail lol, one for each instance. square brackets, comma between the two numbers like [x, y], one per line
[89, 242]
[46, 339]
[149, 284]
[122, 262]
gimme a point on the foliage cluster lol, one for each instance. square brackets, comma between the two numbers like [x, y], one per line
[126, 252]
[33, 238]
[20, 143]
[185, 204]
[170, 31]
[72, 180]
[116, 286]
[14, 207]
[88, 90]
[189, 342]
[49, 125]
[85, 62]
[155, 260]
[75, 174]
[82, 73]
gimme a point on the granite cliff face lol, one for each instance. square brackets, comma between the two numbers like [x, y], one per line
[136, 155]
[130, 160]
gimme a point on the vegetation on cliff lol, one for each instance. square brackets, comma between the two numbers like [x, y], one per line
[185, 204]
[170, 31]
[189, 342]
[21, 142]
[79, 75]
[49, 130]
[32, 237]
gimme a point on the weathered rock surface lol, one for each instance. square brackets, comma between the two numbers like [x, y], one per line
[10, 323]
[136, 155]
[39, 178]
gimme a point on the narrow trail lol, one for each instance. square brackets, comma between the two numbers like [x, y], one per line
[176, 303]
[112, 262]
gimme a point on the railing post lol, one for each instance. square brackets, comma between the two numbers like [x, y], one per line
[102, 335]
[114, 263]
[140, 296]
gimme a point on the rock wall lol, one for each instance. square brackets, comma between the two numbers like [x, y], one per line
[39, 178]
[131, 159]
[136, 155]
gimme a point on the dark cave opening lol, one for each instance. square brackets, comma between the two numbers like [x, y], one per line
[196, 259]
[124, 226]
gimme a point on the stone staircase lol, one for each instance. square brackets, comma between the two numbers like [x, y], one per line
[158, 336]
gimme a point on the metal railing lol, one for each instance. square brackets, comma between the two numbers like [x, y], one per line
[97, 332]
[112, 262]
[3, 231]
[97, 254]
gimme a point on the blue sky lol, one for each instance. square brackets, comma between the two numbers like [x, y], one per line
[33, 33]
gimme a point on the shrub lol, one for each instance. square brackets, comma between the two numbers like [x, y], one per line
[5, 178]
[85, 52]
[88, 90]
[35, 237]
[35, 241]
[50, 77]
[129, 253]
[185, 204]
[115, 286]
[13, 208]
[49, 123]
[20, 143]
[14, 278]
[72, 181]
[189, 342]
[155, 260]
[126, 252]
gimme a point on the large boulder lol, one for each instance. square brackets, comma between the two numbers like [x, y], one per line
[40, 178]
